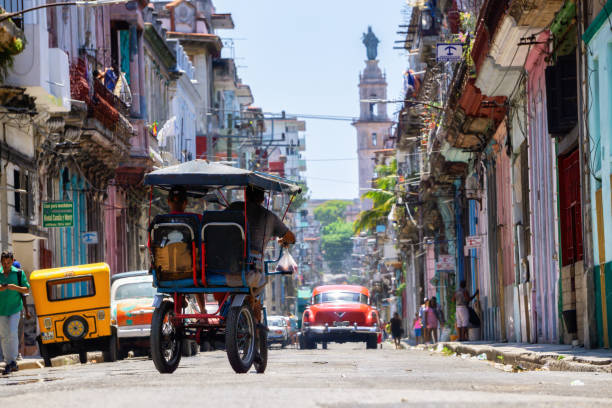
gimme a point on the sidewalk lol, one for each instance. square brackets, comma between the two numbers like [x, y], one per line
[554, 357]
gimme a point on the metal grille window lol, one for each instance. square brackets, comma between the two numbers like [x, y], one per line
[12, 6]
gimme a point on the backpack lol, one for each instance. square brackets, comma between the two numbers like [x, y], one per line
[23, 297]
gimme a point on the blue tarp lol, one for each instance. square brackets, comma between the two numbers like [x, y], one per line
[202, 175]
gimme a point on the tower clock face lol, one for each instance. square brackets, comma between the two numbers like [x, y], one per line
[184, 16]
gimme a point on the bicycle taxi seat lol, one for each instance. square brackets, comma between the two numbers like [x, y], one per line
[208, 253]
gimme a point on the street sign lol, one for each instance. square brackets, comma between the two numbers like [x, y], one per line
[89, 237]
[452, 52]
[58, 214]
[473, 241]
[445, 263]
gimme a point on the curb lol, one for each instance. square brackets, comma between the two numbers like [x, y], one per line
[27, 364]
[32, 364]
[529, 360]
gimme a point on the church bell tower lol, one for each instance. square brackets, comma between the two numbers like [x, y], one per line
[373, 126]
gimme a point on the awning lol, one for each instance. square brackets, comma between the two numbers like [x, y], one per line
[25, 237]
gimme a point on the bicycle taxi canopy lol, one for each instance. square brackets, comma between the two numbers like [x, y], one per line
[200, 176]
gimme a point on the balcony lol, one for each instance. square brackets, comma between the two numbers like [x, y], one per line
[302, 165]
[42, 71]
[301, 144]
[105, 108]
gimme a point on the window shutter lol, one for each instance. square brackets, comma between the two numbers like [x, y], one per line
[561, 95]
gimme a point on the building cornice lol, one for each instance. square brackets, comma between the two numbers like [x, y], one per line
[159, 46]
[598, 22]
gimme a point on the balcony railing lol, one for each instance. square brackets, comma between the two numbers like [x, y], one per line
[102, 105]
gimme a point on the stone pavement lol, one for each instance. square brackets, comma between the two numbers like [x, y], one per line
[554, 357]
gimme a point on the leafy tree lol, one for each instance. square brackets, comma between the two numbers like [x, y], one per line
[300, 199]
[330, 211]
[382, 198]
[336, 242]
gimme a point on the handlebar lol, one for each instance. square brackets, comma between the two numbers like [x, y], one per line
[266, 263]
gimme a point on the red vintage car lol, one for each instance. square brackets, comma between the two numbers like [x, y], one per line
[340, 313]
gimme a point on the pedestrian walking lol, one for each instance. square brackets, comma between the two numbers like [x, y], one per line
[433, 305]
[431, 321]
[396, 329]
[13, 284]
[417, 325]
[423, 318]
[462, 298]
[25, 315]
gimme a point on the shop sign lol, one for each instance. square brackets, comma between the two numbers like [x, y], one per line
[89, 237]
[445, 263]
[452, 52]
[58, 214]
[473, 242]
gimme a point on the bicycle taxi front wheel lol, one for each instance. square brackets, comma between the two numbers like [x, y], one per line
[166, 338]
[261, 357]
[240, 338]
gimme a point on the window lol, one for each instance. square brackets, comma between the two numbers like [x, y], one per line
[17, 187]
[12, 6]
[21, 183]
[70, 288]
[276, 322]
[561, 95]
[135, 290]
[340, 297]
[374, 139]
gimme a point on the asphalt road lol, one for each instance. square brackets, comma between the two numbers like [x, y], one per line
[342, 376]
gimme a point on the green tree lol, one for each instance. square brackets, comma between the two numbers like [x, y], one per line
[330, 211]
[300, 199]
[382, 198]
[336, 243]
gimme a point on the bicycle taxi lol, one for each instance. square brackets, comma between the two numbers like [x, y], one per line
[208, 253]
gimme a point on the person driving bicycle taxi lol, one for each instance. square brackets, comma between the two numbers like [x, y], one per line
[177, 202]
[263, 225]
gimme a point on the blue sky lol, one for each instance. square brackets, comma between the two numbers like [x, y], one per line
[304, 57]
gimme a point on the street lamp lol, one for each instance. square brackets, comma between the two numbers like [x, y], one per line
[94, 3]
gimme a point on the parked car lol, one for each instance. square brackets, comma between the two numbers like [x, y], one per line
[277, 330]
[73, 305]
[132, 309]
[340, 313]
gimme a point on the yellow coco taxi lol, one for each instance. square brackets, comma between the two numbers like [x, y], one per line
[73, 308]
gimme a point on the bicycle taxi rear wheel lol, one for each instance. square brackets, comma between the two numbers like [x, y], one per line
[240, 338]
[166, 338]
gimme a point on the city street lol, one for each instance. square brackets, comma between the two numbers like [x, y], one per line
[342, 376]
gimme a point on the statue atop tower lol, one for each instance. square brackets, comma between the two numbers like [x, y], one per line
[371, 43]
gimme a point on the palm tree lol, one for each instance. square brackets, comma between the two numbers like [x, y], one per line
[382, 198]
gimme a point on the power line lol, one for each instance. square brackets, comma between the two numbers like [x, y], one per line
[332, 180]
[320, 160]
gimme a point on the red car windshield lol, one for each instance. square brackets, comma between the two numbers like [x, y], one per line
[340, 297]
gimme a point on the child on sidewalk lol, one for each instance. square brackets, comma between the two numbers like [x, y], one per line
[417, 325]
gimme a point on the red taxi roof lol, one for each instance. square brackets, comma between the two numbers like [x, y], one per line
[344, 288]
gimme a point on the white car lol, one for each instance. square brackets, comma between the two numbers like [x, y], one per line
[277, 330]
[132, 309]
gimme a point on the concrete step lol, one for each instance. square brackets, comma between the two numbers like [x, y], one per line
[532, 356]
